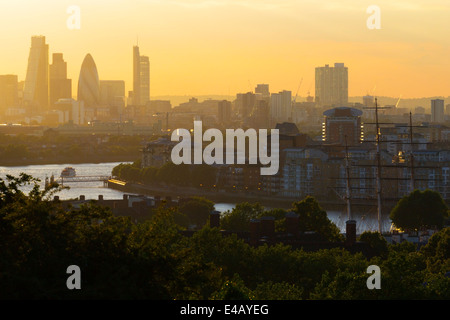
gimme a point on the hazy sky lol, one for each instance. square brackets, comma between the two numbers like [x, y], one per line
[199, 47]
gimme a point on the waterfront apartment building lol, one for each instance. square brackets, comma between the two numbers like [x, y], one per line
[331, 85]
[342, 125]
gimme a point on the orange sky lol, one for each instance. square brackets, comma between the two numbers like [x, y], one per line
[201, 47]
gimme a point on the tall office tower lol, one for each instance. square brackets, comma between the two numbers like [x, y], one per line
[9, 92]
[145, 80]
[437, 110]
[341, 124]
[141, 78]
[263, 90]
[332, 85]
[281, 106]
[60, 86]
[88, 83]
[36, 95]
[136, 76]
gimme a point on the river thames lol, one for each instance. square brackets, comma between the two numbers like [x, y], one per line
[91, 190]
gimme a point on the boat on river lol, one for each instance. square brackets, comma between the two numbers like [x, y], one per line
[68, 172]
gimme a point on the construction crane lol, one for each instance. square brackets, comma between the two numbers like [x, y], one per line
[398, 101]
[295, 98]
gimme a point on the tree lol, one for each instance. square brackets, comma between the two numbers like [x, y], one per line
[420, 209]
[240, 216]
[313, 218]
[197, 210]
[376, 241]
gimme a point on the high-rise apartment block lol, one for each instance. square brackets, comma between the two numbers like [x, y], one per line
[437, 110]
[281, 106]
[332, 85]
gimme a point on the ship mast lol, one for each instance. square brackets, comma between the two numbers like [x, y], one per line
[378, 167]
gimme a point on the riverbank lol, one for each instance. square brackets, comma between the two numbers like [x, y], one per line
[270, 201]
[65, 160]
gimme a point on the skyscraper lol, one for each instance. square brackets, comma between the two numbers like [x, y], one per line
[437, 110]
[332, 85]
[60, 86]
[141, 78]
[88, 83]
[36, 94]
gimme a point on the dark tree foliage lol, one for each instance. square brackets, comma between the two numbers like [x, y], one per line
[420, 209]
[119, 259]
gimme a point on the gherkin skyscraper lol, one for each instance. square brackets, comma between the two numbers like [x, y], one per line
[89, 83]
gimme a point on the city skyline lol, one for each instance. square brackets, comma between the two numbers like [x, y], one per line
[217, 47]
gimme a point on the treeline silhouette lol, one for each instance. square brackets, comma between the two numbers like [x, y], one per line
[120, 259]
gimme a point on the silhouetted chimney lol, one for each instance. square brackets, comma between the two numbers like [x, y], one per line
[56, 198]
[350, 232]
[82, 197]
[292, 221]
[100, 197]
[214, 219]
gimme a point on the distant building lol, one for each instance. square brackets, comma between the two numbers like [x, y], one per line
[112, 94]
[35, 95]
[70, 110]
[419, 110]
[260, 116]
[8, 92]
[59, 87]
[281, 106]
[89, 83]
[437, 110]
[224, 112]
[157, 153]
[263, 90]
[244, 104]
[332, 85]
[159, 106]
[343, 124]
[141, 78]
